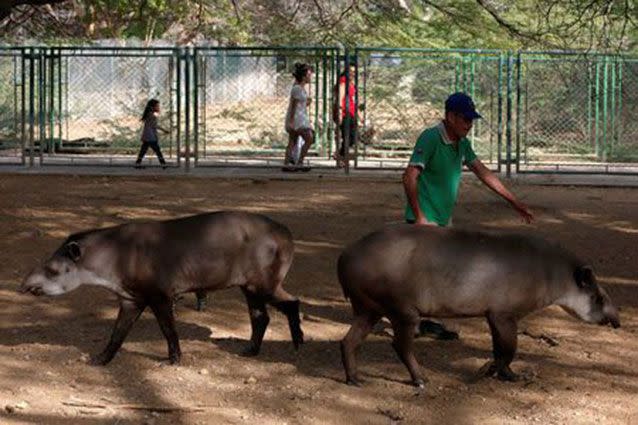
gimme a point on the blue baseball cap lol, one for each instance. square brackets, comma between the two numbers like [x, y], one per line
[462, 104]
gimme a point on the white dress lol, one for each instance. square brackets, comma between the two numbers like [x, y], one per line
[299, 115]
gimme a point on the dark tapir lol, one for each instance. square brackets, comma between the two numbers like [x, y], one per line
[405, 272]
[148, 263]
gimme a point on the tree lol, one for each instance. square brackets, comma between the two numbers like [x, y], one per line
[607, 25]
[6, 6]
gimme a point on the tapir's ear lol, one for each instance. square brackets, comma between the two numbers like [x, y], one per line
[584, 276]
[73, 251]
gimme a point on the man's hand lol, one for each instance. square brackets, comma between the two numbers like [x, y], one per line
[524, 212]
[420, 220]
[492, 181]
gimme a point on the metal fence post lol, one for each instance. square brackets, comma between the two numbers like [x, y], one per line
[31, 105]
[178, 96]
[356, 109]
[613, 109]
[187, 106]
[41, 103]
[620, 99]
[605, 101]
[195, 59]
[597, 108]
[324, 100]
[23, 107]
[499, 129]
[589, 107]
[51, 112]
[519, 65]
[346, 122]
[508, 129]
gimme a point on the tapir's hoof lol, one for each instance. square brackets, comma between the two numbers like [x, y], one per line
[487, 370]
[419, 383]
[354, 382]
[174, 358]
[297, 340]
[101, 359]
[506, 374]
[201, 304]
[250, 351]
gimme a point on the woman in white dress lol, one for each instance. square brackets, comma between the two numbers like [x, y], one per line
[297, 122]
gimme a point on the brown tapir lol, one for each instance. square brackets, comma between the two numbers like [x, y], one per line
[406, 272]
[149, 263]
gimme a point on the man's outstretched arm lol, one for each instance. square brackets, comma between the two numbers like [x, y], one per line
[492, 181]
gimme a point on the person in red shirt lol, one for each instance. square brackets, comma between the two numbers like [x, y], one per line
[345, 117]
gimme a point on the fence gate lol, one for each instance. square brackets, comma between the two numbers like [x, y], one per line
[241, 99]
[12, 94]
[576, 113]
[404, 92]
[90, 100]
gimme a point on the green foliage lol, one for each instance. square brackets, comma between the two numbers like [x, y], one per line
[499, 24]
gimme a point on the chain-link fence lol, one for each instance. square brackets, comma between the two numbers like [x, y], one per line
[625, 135]
[541, 111]
[404, 90]
[83, 105]
[572, 112]
[11, 106]
[242, 99]
[102, 94]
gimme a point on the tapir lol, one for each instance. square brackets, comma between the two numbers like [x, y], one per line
[150, 263]
[406, 272]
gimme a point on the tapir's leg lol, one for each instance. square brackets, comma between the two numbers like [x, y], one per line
[258, 320]
[403, 344]
[362, 324]
[504, 340]
[202, 299]
[289, 305]
[163, 309]
[129, 313]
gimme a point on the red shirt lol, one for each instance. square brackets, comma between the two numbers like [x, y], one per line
[351, 94]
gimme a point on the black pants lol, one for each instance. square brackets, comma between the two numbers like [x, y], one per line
[430, 327]
[347, 121]
[153, 145]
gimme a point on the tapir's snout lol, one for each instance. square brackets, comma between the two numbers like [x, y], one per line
[30, 285]
[611, 317]
[613, 321]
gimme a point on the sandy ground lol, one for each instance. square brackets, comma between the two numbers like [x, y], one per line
[589, 377]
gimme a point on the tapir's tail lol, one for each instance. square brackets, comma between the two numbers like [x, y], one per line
[341, 273]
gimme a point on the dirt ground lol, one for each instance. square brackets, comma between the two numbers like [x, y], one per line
[589, 377]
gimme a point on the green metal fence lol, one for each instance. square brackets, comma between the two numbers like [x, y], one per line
[83, 104]
[576, 112]
[404, 92]
[102, 93]
[12, 121]
[543, 111]
[241, 99]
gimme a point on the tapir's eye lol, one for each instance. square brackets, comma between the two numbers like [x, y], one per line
[597, 299]
[50, 272]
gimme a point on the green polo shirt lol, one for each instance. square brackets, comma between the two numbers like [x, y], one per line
[441, 163]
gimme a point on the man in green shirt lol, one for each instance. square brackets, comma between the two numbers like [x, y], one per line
[431, 179]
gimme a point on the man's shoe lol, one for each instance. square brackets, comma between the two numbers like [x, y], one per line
[289, 167]
[428, 327]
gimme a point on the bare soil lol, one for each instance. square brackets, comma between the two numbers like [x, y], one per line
[589, 377]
